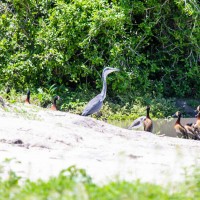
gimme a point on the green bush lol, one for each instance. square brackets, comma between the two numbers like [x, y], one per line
[74, 183]
[154, 43]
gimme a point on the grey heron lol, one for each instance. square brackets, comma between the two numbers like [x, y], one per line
[95, 104]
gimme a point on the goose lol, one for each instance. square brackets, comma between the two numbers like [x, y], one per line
[178, 127]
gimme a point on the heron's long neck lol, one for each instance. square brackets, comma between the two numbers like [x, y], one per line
[104, 89]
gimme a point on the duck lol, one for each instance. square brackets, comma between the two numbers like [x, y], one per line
[178, 127]
[137, 122]
[27, 101]
[198, 109]
[54, 106]
[148, 124]
[7, 91]
[197, 124]
[191, 131]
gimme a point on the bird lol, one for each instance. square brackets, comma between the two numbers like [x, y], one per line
[2, 102]
[54, 106]
[7, 91]
[191, 131]
[197, 124]
[148, 124]
[137, 122]
[178, 127]
[27, 101]
[198, 109]
[95, 104]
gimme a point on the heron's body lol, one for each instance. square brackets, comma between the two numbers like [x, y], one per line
[178, 127]
[93, 106]
[148, 124]
[96, 103]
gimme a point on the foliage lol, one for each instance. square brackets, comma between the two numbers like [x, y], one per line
[118, 108]
[74, 183]
[67, 43]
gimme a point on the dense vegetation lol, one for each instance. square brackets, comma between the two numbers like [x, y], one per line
[67, 43]
[76, 184]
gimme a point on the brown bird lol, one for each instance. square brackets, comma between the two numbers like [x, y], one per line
[191, 131]
[198, 109]
[148, 124]
[2, 102]
[7, 91]
[197, 124]
[178, 127]
[54, 106]
[27, 101]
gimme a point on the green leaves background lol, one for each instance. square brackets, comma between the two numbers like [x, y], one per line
[155, 43]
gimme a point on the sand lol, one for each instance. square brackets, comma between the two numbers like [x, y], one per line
[38, 143]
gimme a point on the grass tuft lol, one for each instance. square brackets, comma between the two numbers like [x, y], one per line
[73, 183]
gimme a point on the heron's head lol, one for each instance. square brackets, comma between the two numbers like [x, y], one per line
[109, 70]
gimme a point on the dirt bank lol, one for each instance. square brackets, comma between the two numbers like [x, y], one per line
[40, 143]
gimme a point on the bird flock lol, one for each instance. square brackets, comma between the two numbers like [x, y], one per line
[188, 131]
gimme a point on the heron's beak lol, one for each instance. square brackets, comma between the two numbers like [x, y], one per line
[115, 69]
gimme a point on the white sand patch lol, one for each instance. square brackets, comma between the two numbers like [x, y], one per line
[41, 147]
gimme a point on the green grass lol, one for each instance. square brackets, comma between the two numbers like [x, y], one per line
[114, 108]
[74, 184]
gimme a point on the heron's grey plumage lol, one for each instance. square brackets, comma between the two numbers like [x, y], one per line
[95, 104]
